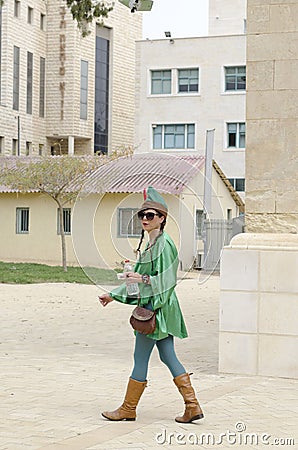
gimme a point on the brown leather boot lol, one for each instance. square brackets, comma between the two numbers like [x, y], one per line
[193, 410]
[127, 411]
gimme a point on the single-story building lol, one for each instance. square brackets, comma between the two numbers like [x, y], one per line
[101, 226]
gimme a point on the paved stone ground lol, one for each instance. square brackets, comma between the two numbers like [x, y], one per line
[64, 359]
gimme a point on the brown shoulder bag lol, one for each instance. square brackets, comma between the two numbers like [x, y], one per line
[143, 320]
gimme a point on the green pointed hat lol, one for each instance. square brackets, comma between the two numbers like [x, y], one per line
[153, 200]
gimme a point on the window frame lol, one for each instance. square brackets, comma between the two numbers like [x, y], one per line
[20, 220]
[188, 91]
[199, 233]
[30, 15]
[189, 132]
[66, 221]
[2, 144]
[236, 75]
[235, 181]
[163, 80]
[135, 233]
[28, 148]
[84, 90]
[14, 147]
[42, 21]
[238, 134]
[16, 78]
[17, 8]
[42, 85]
[29, 90]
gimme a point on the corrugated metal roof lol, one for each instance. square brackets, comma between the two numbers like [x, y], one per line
[167, 173]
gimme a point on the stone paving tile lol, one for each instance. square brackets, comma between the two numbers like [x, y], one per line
[63, 361]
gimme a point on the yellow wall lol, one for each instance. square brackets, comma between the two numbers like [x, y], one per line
[94, 240]
[42, 243]
[95, 229]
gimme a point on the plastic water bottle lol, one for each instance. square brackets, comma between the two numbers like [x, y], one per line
[132, 288]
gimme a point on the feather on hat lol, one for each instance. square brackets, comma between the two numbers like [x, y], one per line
[153, 200]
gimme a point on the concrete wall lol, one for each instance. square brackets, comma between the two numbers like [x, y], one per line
[259, 306]
[211, 108]
[227, 17]
[259, 289]
[272, 117]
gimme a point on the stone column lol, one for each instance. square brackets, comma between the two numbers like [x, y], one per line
[70, 145]
[259, 276]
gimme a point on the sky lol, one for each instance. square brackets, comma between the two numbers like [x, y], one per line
[183, 18]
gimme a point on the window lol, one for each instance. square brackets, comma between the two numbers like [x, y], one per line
[16, 77]
[42, 21]
[200, 217]
[174, 136]
[238, 184]
[30, 15]
[29, 82]
[17, 8]
[102, 73]
[28, 148]
[66, 221]
[161, 81]
[40, 149]
[14, 147]
[236, 135]
[235, 78]
[1, 144]
[188, 80]
[42, 66]
[229, 214]
[84, 90]
[128, 223]
[22, 221]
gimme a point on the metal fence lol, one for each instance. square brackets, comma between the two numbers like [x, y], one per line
[217, 234]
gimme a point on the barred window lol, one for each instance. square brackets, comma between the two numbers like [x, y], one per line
[66, 221]
[128, 223]
[22, 220]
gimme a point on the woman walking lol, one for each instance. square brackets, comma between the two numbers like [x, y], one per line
[156, 273]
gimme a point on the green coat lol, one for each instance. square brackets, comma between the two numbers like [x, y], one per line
[161, 263]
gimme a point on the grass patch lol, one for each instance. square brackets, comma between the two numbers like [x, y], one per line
[26, 273]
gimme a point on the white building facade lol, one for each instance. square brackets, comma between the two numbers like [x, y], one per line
[61, 93]
[189, 85]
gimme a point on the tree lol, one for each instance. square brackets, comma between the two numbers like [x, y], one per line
[85, 11]
[60, 177]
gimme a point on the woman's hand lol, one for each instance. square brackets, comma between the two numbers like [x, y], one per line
[133, 277]
[105, 299]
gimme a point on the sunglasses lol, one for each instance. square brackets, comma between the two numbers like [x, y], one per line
[149, 215]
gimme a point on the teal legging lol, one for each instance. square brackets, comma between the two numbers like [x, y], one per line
[143, 349]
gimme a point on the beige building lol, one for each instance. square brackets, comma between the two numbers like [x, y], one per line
[186, 86]
[102, 228]
[186, 92]
[61, 93]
